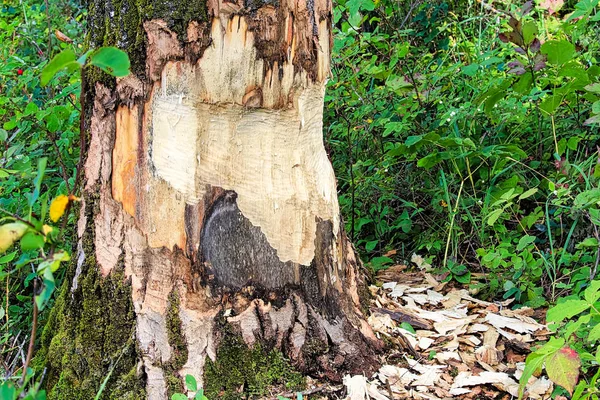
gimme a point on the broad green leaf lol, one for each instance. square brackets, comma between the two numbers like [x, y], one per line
[429, 161]
[594, 88]
[551, 103]
[558, 51]
[371, 245]
[190, 383]
[530, 30]
[7, 391]
[563, 368]
[552, 346]
[565, 310]
[470, 70]
[111, 60]
[411, 140]
[594, 334]
[525, 241]
[533, 364]
[32, 241]
[64, 60]
[179, 396]
[592, 293]
[491, 101]
[380, 262]
[583, 8]
[31, 108]
[523, 84]
[464, 278]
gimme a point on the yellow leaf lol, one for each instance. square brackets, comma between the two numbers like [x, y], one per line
[46, 229]
[58, 207]
[9, 233]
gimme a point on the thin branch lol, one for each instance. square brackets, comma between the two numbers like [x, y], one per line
[33, 331]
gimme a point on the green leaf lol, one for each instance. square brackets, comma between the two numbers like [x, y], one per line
[49, 286]
[566, 309]
[594, 334]
[530, 30]
[464, 278]
[411, 140]
[583, 8]
[429, 161]
[8, 391]
[491, 101]
[3, 135]
[470, 70]
[523, 84]
[525, 241]
[32, 241]
[551, 103]
[7, 258]
[190, 383]
[563, 368]
[380, 262]
[407, 327]
[594, 88]
[588, 242]
[558, 51]
[494, 215]
[528, 193]
[111, 60]
[200, 395]
[179, 396]
[37, 182]
[592, 293]
[533, 364]
[371, 245]
[64, 60]
[31, 108]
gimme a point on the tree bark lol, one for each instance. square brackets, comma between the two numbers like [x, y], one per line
[209, 214]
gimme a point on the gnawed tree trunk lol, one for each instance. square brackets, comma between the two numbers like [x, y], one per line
[210, 225]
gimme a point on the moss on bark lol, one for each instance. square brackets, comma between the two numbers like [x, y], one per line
[91, 331]
[240, 371]
[120, 23]
[179, 350]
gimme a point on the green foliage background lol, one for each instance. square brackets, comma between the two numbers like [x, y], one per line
[472, 151]
[464, 132]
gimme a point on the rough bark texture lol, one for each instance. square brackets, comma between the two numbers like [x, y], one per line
[210, 241]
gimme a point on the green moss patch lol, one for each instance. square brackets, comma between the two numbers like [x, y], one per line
[243, 372]
[91, 331]
[120, 23]
[179, 350]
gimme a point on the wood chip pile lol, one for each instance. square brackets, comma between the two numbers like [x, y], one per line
[461, 347]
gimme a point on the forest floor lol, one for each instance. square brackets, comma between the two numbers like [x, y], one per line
[444, 343]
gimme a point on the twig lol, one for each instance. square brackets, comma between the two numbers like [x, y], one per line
[15, 216]
[63, 167]
[33, 331]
